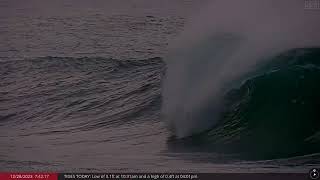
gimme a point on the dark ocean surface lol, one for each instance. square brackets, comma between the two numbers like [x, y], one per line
[80, 90]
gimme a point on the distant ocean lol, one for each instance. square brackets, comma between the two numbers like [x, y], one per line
[82, 86]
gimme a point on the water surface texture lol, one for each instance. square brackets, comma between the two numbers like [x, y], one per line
[81, 89]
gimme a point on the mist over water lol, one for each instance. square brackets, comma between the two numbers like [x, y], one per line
[220, 47]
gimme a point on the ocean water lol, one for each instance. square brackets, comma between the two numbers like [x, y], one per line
[82, 90]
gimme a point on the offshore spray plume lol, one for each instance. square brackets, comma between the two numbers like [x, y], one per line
[222, 45]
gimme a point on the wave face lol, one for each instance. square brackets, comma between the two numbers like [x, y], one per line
[221, 48]
[64, 94]
[273, 114]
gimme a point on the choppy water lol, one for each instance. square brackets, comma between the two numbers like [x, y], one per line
[80, 90]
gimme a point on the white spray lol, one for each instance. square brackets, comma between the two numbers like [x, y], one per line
[227, 41]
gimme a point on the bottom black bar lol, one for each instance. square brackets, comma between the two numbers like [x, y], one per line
[184, 176]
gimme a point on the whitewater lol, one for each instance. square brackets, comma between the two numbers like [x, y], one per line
[221, 47]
